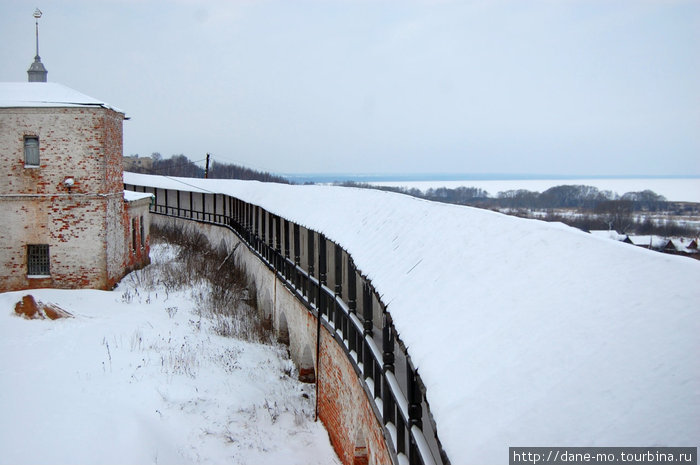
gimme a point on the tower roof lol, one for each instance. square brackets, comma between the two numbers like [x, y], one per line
[37, 72]
[51, 94]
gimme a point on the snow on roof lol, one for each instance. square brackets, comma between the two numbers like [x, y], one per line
[45, 94]
[682, 244]
[652, 242]
[609, 234]
[131, 196]
[558, 338]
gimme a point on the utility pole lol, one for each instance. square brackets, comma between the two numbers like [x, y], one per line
[206, 170]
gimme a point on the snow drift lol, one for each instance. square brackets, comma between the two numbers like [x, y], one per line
[139, 375]
[525, 333]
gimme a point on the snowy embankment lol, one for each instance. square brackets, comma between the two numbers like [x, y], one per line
[525, 333]
[140, 377]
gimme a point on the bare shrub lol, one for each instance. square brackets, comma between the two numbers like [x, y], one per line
[227, 297]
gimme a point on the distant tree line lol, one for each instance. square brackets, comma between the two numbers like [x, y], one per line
[180, 165]
[584, 207]
[230, 171]
[565, 196]
[578, 196]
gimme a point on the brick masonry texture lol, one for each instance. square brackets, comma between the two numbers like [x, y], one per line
[355, 433]
[86, 226]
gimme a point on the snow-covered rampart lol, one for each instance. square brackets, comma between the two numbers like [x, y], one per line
[524, 332]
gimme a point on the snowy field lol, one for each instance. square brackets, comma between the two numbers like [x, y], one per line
[674, 189]
[140, 378]
[525, 333]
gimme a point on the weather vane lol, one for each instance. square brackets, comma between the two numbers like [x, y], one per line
[37, 72]
[37, 15]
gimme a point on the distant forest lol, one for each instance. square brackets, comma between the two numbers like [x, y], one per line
[180, 165]
[594, 209]
[565, 196]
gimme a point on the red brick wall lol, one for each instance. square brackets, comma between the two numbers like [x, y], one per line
[63, 223]
[345, 410]
[82, 225]
[83, 143]
[136, 256]
[113, 151]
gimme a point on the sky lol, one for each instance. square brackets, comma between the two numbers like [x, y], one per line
[568, 87]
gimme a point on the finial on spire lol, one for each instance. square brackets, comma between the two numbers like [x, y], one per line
[37, 72]
[37, 15]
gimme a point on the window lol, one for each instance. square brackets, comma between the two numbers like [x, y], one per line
[133, 234]
[31, 151]
[38, 260]
[143, 235]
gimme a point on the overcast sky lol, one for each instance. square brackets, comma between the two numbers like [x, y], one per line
[571, 87]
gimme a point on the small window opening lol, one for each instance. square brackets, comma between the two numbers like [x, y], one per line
[142, 232]
[38, 260]
[31, 151]
[133, 234]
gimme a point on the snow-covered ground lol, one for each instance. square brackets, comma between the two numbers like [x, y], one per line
[674, 189]
[138, 377]
[525, 333]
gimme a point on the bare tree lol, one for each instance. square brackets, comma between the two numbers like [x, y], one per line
[617, 214]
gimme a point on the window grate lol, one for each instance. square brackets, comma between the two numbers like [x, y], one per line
[38, 259]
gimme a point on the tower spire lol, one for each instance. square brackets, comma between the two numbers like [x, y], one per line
[36, 71]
